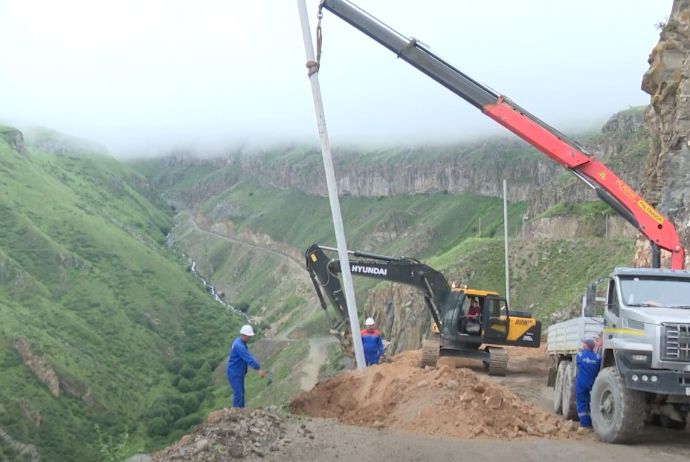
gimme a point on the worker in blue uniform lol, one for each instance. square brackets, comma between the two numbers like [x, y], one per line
[238, 360]
[588, 365]
[371, 342]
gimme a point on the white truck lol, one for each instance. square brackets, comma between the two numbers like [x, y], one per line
[645, 367]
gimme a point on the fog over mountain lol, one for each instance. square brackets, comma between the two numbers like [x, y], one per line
[149, 75]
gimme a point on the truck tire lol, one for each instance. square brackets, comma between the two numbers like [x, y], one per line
[551, 379]
[558, 388]
[617, 413]
[569, 406]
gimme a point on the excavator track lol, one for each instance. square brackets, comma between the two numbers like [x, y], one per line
[498, 361]
[431, 350]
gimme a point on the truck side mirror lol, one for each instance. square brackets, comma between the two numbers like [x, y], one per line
[590, 297]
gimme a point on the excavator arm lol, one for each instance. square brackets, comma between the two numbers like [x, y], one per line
[324, 273]
[570, 154]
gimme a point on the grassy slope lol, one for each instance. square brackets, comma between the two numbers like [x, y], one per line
[86, 281]
[300, 219]
[438, 228]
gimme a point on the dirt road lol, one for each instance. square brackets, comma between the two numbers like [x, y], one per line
[296, 265]
[337, 442]
[318, 355]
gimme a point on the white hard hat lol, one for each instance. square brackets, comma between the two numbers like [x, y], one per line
[369, 322]
[247, 330]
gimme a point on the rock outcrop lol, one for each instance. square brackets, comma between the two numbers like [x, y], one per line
[229, 434]
[14, 138]
[568, 227]
[475, 168]
[667, 174]
[400, 314]
[38, 365]
[48, 375]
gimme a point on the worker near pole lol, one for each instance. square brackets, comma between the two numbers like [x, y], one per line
[371, 342]
[238, 360]
[588, 364]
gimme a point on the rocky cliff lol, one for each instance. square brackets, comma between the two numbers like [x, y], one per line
[477, 168]
[14, 137]
[568, 227]
[667, 173]
[474, 167]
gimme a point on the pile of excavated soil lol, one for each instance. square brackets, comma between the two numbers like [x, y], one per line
[442, 401]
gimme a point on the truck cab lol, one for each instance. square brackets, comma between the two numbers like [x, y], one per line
[645, 367]
[647, 328]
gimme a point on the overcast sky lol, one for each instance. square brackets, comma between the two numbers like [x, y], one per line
[130, 73]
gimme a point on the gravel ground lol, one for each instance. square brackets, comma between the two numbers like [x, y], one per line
[333, 441]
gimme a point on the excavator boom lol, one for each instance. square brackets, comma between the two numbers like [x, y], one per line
[570, 154]
[324, 273]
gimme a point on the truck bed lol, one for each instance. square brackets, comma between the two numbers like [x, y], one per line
[565, 337]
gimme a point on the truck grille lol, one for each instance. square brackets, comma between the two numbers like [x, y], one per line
[675, 343]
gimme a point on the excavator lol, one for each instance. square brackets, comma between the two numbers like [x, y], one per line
[568, 153]
[453, 334]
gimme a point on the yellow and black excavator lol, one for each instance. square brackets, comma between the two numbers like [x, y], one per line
[452, 334]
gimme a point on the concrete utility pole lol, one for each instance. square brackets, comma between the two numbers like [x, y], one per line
[606, 226]
[505, 237]
[524, 218]
[332, 186]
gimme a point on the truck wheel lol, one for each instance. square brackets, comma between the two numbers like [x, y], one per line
[569, 407]
[431, 350]
[558, 388]
[551, 379]
[617, 413]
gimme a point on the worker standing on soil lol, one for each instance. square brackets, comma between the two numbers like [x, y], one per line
[588, 364]
[371, 342]
[238, 360]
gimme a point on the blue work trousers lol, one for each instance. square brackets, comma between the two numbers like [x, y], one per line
[237, 385]
[582, 395]
[374, 359]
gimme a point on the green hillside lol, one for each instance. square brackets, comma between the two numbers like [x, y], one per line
[440, 229]
[118, 332]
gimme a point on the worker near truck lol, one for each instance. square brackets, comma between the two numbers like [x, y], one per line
[588, 365]
[371, 342]
[239, 359]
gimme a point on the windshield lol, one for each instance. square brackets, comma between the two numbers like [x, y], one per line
[655, 292]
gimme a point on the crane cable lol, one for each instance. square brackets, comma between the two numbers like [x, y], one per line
[314, 66]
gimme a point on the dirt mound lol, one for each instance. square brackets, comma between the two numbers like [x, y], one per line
[445, 401]
[228, 434]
